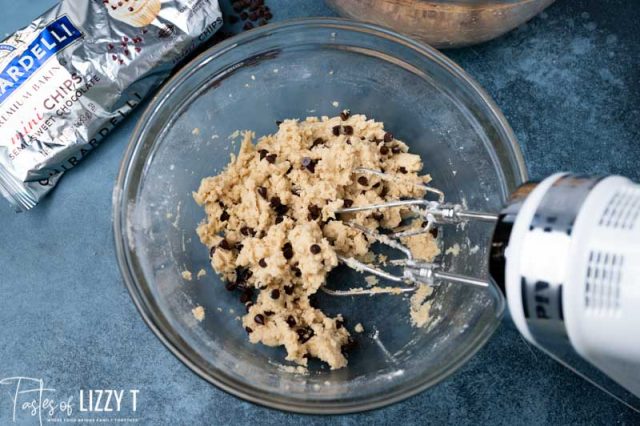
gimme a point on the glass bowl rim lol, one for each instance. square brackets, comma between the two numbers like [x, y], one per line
[120, 213]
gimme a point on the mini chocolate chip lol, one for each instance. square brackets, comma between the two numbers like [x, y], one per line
[246, 231]
[296, 271]
[289, 170]
[269, 313]
[253, 16]
[287, 251]
[336, 130]
[395, 149]
[262, 191]
[434, 232]
[224, 216]
[309, 164]
[245, 297]
[230, 286]
[347, 203]
[249, 330]
[271, 158]
[221, 204]
[348, 141]
[315, 249]
[288, 289]
[291, 321]
[348, 130]
[247, 26]
[375, 185]
[224, 244]
[363, 181]
[339, 324]
[314, 212]
[212, 250]
[384, 191]
[318, 141]
[238, 246]
[263, 153]
[295, 191]
[388, 137]
[278, 123]
[262, 263]
[402, 170]
[248, 306]
[275, 293]
[378, 216]
[305, 334]
[259, 319]
[384, 150]
[344, 115]
[313, 301]
[242, 274]
[244, 16]
[275, 202]
[279, 219]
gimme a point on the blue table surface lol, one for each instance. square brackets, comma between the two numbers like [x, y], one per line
[567, 82]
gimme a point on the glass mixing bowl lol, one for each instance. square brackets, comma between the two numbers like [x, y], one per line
[296, 69]
[444, 23]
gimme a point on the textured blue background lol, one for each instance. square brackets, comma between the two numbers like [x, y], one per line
[567, 82]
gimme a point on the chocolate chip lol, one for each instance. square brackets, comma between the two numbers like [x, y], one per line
[347, 203]
[287, 251]
[244, 16]
[248, 330]
[295, 191]
[246, 231]
[279, 219]
[305, 334]
[224, 216]
[384, 150]
[245, 297]
[339, 324]
[247, 26]
[242, 274]
[336, 130]
[291, 321]
[309, 164]
[253, 16]
[376, 185]
[269, 313]
[313, 301]
[238, 246]
[212, 250]
[395, 149]
[296, 271]
[363, 181]
[259, 319]
[348, 141]
[262, 191]
[348, 130]
[275, 202]
[314, 212]
[384, 191]
[378, 216]
[278, 123]
[434, 232]
[224, 244]
[289, 170]
[248, 306]
[271, 158]
[275, 293]
[388, 137]
[402, 170]
[230, 286]
[288, 289]
[318, 141]
[315, 249]
[262, 263]
[263, 153]
[344, 115]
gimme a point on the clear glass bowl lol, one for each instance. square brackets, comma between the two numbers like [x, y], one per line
[297, 69]
[444, 23]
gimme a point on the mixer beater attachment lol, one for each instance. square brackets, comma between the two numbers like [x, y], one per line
[413, 271]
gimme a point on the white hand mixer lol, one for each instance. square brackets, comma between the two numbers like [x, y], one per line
[566, 254]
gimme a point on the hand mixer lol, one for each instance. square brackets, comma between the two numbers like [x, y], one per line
[566, 254]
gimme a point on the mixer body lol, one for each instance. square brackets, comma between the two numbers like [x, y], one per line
[566, 253]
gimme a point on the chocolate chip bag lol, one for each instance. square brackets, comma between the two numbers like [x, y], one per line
[72, 75]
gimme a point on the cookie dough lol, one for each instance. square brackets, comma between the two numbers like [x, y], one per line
[272, 230]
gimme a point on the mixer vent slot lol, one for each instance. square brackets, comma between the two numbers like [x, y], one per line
[623, 210]
[604, 278]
